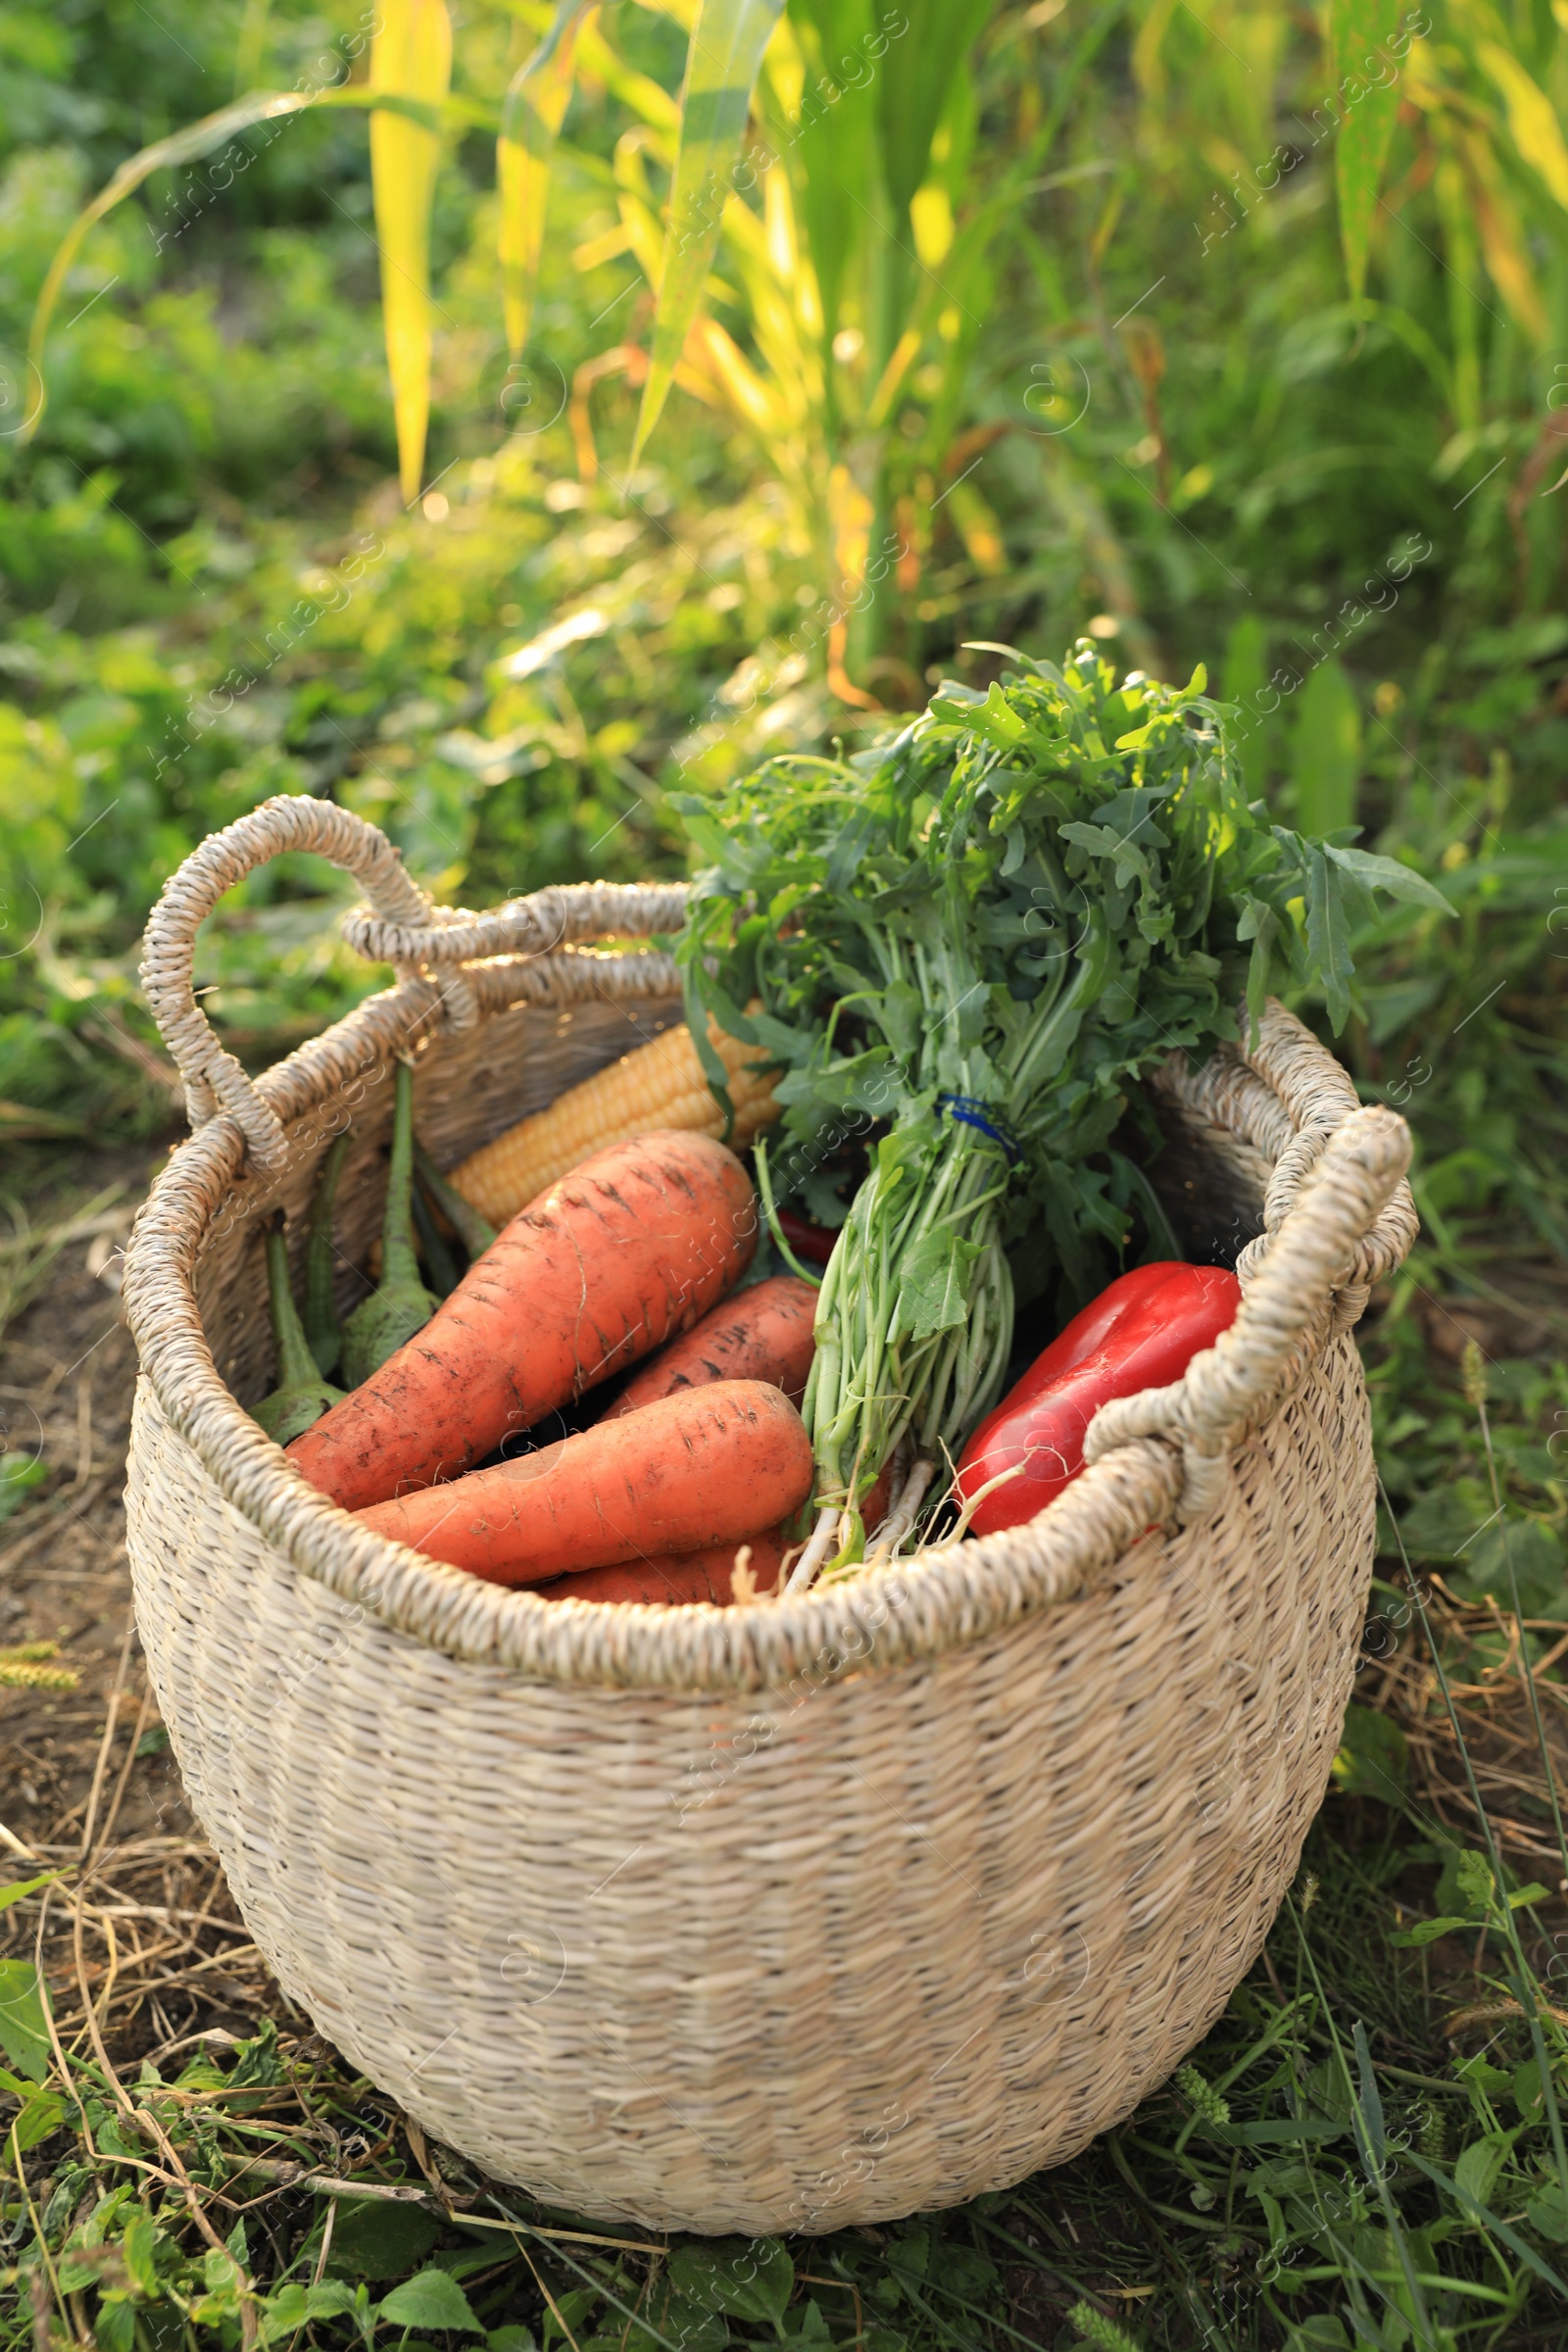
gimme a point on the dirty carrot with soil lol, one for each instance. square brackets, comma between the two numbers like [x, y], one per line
[696, 1469]
[763, 1333]
[627, 1250]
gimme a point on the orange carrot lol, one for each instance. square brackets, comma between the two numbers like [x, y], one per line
[707, 1575]
[699, 1468]
[763, 1333]
[676, 1577]
[609, 1262]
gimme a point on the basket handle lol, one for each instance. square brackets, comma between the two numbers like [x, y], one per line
[402, 926]
[1295, 1292]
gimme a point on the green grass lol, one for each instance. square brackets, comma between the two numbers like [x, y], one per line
[1328, 2169]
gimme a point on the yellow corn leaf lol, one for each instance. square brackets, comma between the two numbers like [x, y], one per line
[905, 352]
[979, 529]
[530, 121]
[411, 56]
[722, 65]
[1148, 64]
[778, 214]
[639, 91]
[721, 359]
[180, 147]
[849, 515]
[599, 250]
[1502, 239]
[931, 219]
[642, 233]
[252, 47]
[1532, 118]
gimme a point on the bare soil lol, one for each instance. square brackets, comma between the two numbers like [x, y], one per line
[142, 1943]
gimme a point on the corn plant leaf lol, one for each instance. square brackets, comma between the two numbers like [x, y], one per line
[648, 99]
[928, 41]
[1532, 118]
[726, 49]
[251, 49]
[410, 57]
[835, 132]
[183, 147]
[530, 122]
[1367, 84]
[1502, 235]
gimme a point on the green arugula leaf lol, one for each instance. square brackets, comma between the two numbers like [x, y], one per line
[1328, 935]
[1387, 873]
[934, 1291]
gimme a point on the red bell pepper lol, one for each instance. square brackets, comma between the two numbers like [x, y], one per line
[813, 1242]
[1142, 1333]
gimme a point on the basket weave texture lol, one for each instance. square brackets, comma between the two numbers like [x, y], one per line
[780, 1917]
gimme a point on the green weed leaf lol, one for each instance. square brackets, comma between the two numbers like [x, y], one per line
[42, 2112]
[1547, 2212]
[1475, 2210]
[1473, 1877]
[1427, 1930]
[19, 1474]
[114, 2327]
[432, 2298]
[1373, 1759]
[1476, 2167]
[376, 2238]
[20, 1889]
[294, 2306]
[749, 2279]
[23, 2027]
[140, 2249]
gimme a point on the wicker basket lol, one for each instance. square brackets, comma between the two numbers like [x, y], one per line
[778, 1917]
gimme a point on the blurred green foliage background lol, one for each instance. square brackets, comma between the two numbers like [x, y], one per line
[1133, 395]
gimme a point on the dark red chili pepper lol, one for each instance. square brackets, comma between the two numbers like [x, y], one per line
[813, 1242]
[1142, 1333]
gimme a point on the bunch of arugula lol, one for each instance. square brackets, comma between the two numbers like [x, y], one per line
[981, 934]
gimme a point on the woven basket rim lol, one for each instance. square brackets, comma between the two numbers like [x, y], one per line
[1288, 1092]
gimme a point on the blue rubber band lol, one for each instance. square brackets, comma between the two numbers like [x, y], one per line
[969, 1112]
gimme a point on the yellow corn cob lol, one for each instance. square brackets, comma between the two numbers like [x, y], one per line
[658, 1087]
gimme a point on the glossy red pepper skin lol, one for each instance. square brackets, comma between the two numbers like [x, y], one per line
[1142, 1333]
[813, 1243]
